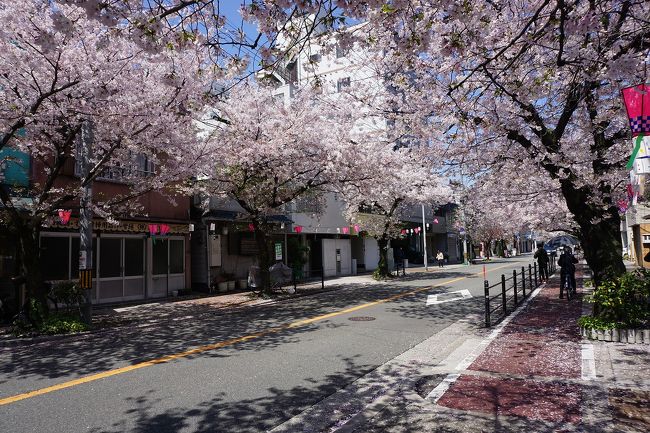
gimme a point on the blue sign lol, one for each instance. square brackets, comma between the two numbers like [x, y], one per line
[14, 167]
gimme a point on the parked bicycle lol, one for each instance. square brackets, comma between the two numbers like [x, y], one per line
[281, 277]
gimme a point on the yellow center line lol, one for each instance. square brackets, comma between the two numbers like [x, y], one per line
[225, 343]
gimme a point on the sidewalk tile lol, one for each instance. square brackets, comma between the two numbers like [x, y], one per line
[555, 402]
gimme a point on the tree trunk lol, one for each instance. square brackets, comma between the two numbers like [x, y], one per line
[30, 269]
[262, 255]
[599, 233]
[382, 267]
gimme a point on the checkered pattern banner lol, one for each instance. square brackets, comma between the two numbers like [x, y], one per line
[640, 124]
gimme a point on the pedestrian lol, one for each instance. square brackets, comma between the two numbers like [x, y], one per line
[441, 259]
[567, 262]
[542, 262]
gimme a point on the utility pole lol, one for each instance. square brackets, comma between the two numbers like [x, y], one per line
[424, 230]
[86, 223]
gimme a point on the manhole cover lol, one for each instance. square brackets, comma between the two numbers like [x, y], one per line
[361, 318]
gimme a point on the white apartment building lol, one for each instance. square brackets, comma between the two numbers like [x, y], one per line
[333, 242]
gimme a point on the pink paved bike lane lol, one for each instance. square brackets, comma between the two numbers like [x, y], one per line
[529, 369]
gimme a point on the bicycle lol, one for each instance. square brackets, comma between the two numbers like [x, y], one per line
[569, 286]
[281, 279]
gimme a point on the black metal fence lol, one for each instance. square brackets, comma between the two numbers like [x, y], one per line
[502, 297]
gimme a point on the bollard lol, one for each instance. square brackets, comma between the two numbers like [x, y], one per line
[503, 295]
[515, 295]
[322, 277]
[530, 278]
[523, 281]
[514, 280]
[535, 269]
[486, 289]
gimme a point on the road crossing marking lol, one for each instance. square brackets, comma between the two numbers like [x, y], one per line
[458, 295]
[221, 344]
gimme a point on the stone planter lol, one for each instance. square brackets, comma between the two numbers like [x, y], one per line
[607, 335]
[223, 287]
[631, 336]
[231, 285]
[638, 333]
[243, 284]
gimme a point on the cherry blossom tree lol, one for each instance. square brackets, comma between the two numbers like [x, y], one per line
[61, 70]
[269, 152]
[540, 78]
[402, 177]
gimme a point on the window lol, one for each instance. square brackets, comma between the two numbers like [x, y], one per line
[160, 257]
[342, 83]
[176, 256]
[55, 254]
[141, 166]
[134, 257]
[110, 258]
[315, 58]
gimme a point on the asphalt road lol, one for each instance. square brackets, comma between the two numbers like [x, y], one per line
[251, 370]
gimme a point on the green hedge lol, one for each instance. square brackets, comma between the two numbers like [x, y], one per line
[622, 302]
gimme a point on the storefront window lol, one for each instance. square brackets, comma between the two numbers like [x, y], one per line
[110, 260]
[133, 257]
[176, 256]
[55, 254]
[159, 256]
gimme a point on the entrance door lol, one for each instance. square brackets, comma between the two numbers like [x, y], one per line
[168, 265]
[121, 268]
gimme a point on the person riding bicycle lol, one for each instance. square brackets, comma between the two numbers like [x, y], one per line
[567, 262]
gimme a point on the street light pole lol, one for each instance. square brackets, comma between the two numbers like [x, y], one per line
[86, 222]
[424, 230]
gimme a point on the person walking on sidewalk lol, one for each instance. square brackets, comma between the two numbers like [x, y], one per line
[542, 262]
[441, 259]
[567, 262]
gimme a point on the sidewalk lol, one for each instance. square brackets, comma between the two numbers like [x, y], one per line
[532, 373]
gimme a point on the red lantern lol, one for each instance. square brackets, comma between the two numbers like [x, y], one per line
[164, 229]
[64, 216]
[403, 231]
[298, 229]
[153, 229]
[346, 230]
[356, 228]
[637, 104]
[251, 227]
[435, 220]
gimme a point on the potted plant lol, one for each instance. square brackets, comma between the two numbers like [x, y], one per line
[230, 280]
[220, 283]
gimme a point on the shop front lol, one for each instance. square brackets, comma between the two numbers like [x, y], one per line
[131, 260]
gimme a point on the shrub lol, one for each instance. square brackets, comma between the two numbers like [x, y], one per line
[62, 324]
[623, 301]
[67, 293]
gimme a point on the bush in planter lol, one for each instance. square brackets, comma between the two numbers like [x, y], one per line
[622, 302]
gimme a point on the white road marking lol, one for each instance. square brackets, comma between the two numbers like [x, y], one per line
[588, 362]
[460, 295]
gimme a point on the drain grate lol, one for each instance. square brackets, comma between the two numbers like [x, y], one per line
[361, 318]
